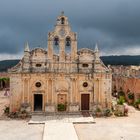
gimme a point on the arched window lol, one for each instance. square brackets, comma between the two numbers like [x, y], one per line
[62, 20]
[56, 41]
[68, 44]
[56, 45]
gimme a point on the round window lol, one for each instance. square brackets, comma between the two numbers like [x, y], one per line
[38, 84]
[85, 84]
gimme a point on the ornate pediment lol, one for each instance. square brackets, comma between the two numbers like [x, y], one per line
[62, 89]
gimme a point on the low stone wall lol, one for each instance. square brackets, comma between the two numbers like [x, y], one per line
[74, 108]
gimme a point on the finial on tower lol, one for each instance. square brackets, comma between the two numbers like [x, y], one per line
[62, 13]
[96, 48]
[26, 49]
[97, 56]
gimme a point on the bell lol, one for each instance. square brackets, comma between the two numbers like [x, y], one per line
[56, 43]
[67, 43]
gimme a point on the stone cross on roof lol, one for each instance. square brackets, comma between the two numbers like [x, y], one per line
[62, 13]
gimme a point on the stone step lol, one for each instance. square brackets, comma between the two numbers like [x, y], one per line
[38, 113]
[62, 113]
[41, 119]
[58, 113]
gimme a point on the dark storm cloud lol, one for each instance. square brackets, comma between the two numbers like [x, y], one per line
[115, 24]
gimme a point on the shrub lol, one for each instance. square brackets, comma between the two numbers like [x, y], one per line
[14, 114]
[137, 102]
[131, 95]
[61, 107]
[6, 110]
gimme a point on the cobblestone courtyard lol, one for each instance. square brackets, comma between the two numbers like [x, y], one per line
[112, 128]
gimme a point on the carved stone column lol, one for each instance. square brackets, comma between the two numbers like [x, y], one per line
[50, 49]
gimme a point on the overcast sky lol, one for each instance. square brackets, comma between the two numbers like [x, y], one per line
[114, 24]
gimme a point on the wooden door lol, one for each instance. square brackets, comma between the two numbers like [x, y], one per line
[85, 101]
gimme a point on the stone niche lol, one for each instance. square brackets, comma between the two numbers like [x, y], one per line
[74, 107]
[50, 108]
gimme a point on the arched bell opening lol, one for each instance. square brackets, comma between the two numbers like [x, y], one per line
[68, 45]
[62, 20]
[56, 45]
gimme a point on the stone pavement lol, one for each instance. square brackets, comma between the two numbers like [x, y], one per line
[20, 130]
[112, 128]
[60, 127]
[59, 131]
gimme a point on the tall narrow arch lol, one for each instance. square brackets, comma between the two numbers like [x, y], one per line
[56, 41]
[68, 44]
[56, 45]
[68, 41]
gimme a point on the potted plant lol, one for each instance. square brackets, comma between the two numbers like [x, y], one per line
[119, 110]
[107, 112]
[121, 100]
[6, 110]
[23, 114]
[98, 112]
[130, 97]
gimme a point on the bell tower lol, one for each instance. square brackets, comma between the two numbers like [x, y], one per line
[62, 41]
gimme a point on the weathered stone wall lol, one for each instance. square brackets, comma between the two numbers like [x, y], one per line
[23, 89]
[127, 83]
[16, 90]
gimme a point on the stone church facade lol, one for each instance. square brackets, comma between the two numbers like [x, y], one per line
[60, 77]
